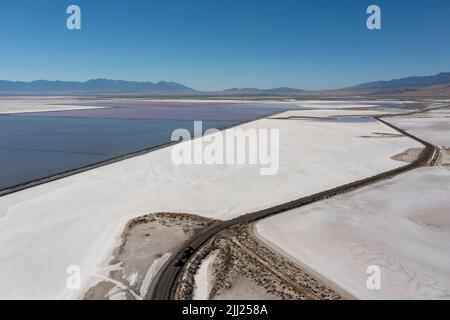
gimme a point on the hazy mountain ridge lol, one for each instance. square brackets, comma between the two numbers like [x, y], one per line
[437, 84]
[92, 86]
[255, 91]
[407, 83]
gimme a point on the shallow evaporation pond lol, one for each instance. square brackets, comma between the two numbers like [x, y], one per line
[32, 148]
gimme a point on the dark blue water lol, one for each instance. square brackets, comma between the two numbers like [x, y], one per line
[32, 148]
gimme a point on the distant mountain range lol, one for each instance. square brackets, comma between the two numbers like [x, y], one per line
[97, 86]
[407, 83]
[438, 84]
[257, 92]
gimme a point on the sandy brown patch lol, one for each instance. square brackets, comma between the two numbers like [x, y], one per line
[408, 155]
[435, 218]
[146, 243]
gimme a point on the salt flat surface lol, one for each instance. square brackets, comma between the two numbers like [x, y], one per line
[342, 104]
[438, 113]
[434, 130]
[336, 113]
[151, 273]
[78, 220]
[401, 225]
[24, 105]
[203, 278]
[349, 102]
[348, 105]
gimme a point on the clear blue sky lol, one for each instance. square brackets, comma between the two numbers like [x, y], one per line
[217, 44]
